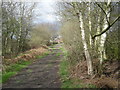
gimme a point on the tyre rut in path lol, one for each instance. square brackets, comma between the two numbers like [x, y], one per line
[41, 74]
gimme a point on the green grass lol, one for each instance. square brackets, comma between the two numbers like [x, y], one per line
[7, 75]
[72, 82]
[64, 74]
[53, 48]
[64, 51]
[0, 77]
[13, 69]
[38, 57]
[41, 56]
[58, 54]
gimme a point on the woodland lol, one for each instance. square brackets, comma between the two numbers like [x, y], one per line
[89, 38]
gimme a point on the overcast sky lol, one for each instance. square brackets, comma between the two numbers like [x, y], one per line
[45, 12]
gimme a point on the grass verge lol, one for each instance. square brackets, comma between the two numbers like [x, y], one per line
[64, 74]
[13, 69]
[70, 82]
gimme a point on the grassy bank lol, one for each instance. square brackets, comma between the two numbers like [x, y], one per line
[70, 82]
[13, 69]
[64, 72]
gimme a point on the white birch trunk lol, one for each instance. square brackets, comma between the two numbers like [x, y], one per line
[103, 36]
[87, 55]
[102, 51]
[98, 39]
[90, 27]
[98, 31]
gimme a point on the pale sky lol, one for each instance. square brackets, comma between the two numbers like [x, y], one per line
[45, 12]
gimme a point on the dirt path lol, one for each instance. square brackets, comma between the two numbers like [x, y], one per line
[41, 74]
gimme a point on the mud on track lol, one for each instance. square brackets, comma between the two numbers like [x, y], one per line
[41, 74]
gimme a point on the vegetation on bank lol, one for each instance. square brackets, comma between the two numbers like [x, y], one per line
[67, 81]
[13, 68]
[90, 33]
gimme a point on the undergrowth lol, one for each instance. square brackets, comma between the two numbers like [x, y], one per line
[65, 74]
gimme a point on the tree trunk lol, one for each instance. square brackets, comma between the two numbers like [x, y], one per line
[87, 55]
[103, 36]
[90, 25]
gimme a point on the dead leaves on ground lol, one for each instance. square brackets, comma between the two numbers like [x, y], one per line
[80, 71]
[28, 55]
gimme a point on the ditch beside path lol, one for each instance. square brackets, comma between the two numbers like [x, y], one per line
[41, 74]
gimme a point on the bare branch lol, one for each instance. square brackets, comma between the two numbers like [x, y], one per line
[103, 12]
[107, 28]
